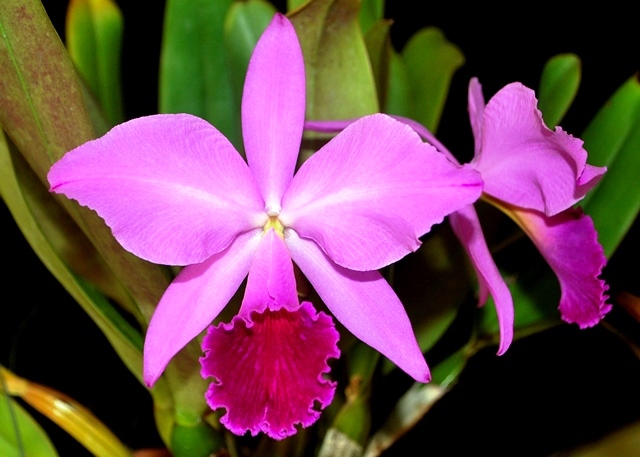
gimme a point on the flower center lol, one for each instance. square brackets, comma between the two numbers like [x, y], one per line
[276, 225]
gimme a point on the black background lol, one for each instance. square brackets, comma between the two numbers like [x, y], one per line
[549, 392]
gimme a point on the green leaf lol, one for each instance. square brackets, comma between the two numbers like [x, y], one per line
[94, 40]
[199, 440]
[398, 93]
[536, 295]
[558, 87]
[42, 109]
[194, 75]
[379, 49]
[431, 61]
[340, 82]
[125, 340]
[371, 12]
[613, 140]
[20, 432]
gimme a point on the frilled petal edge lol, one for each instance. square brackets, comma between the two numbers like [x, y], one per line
[523, 162]
[569, 243]
[193, 300]
[364, 303]
[270, 369]
[467, 228]
[146, 177]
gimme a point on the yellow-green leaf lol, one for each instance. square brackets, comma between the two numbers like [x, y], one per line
[431, 60]
[558, 87]
[340, 82]
[94, 40]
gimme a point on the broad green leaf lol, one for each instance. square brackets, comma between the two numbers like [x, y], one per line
[431, 61]
[94, 40]
[71, 416]
[379, 50]
[558, 87]
[613, 140]
[243, 27]
[42, 109]
[194, 75]
[14, 420]
[340, 82]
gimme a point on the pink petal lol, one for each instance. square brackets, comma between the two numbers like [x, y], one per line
[364, 303]
[569, 243]
[269, 370]
[273, 105]
[193, 300]
[467, 228]
[524, 163]
[368, 195]
[271, 281]
[476, 112]
[171, 187]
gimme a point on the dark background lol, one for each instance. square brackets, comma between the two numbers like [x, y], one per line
[549, 392]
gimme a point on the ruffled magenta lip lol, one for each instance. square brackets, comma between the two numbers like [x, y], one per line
[270, 368]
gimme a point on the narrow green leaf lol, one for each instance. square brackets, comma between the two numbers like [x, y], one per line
[379, 50]
[398, 93]
[607, 133]
[293, 4]
[431, 61]
[371, 12]
[42, 109]
[94, 40]
[558, 87]
[125, 340]
[32, 438]
[613, 140]
[194, 75]
[340, 82]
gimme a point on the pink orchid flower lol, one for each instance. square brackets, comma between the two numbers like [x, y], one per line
[175, 191]
[535, 175]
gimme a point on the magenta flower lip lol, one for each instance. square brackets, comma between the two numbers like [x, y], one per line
[175, 191]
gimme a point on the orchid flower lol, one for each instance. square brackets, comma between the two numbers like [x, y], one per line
[175, 191]
[534, 175]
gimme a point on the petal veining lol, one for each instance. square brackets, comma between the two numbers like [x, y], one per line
[524, 163]
[269, 369]
[368, 194]
[149, 176]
